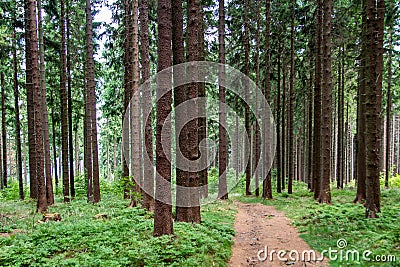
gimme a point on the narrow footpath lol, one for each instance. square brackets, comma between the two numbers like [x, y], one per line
[260, 229]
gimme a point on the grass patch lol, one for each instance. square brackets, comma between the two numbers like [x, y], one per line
[322, 225]
[124, 239]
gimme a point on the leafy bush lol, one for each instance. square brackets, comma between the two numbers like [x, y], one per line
[394, 181]
[80, 184]
[11, 192]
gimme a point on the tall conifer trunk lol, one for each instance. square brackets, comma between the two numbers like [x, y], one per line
[163, 224]
[148, 182]
[46, 140]
[223, 144]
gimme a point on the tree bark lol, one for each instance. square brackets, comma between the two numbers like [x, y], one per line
[388, 107]
[92, 103]
[283, 126]
[247, 96]
[343, 145]
[46, 140]
[4, 130]
[202, 113]
[180, 96]
[317, 106]
[192, 93]
[163, 224]
[291, 151]
[64, 109]
[340, 107]
[54, 134]
[267, 184]
[375, 14]
[310, 127]
[325, 193]
[33, 187]
[361, 151]
[223, 143]
[127, 95]
[16, 107]
[278, 125]
[34, 86]
[148, 182]
[69, 92]
[256, 135]
[135, 107]
[237, 158]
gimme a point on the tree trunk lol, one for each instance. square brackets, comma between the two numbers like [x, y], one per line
[77, 153]
[283, 126]
[278, 126]
[343, 145]
[88, 169]
[163, 224]
[192, 93]
[24, 158]
[375, 13]
[348, 156]
[310, 128]
[180, 96]
[148, 181]
[325, 193]
[237, 159]
[266, 175]
[291, 107]
[361, 152]
[49, 180]
[202, 113]
[340, 107]
[223, 143]
[317, 168]
[395, 132]
[256, 135]
[16, 107]
[64, 109]
[388, 107]
[396, 159]
[34, 86]
[300, 160]
[70, 129]
[53, 125]
[33, 187]
[115, 164]
[3, 130]
[247, 96]
[127, 95]
[92, 103]
[135, 106]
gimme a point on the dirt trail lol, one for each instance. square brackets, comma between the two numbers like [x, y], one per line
[258, 226]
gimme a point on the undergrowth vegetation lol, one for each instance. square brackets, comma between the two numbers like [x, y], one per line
[123, 239]
[321, 226]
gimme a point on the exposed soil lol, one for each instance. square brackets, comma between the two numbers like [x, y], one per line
[259, 227]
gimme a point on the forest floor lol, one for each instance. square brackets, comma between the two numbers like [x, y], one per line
[260, 230]
[340, 227]
[242, 226]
